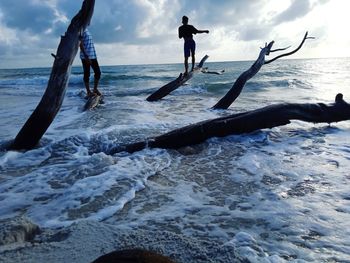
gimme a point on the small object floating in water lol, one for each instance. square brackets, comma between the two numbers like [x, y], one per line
[205, 70]
[92, 102]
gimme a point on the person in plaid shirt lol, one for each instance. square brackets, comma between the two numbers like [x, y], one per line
[89, 59]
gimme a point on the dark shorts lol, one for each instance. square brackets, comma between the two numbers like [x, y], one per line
[189, 47]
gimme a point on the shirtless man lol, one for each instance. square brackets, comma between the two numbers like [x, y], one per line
[186, 32]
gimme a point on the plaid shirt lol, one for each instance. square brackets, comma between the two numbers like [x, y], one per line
[88, 45]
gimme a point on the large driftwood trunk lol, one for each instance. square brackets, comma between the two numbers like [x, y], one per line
[237, 87]
[173, 85]
[267, 117]
[51, 102]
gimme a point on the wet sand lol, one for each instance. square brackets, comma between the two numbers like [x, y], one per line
[87, 240]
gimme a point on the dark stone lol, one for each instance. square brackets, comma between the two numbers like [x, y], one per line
[17, 230]
[133, 256]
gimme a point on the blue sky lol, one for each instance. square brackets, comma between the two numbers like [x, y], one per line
[145, 31]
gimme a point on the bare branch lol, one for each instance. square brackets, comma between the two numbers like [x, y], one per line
[237, 87]
[292, 52]
[279, 49]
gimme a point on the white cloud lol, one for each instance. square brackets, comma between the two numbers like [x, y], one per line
[145, 31]
[7, 35]
[158, 19]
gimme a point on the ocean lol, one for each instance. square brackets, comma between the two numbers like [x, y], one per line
[275, 195]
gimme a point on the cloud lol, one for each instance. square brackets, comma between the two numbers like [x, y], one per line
[128, 22]
[254, 33]
[297, 9]
[120, 21]
[143, 21]
[33, 16]
[33, 28]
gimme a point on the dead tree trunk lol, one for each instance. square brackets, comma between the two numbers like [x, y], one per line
[267, 117]
[173, 85]
[237, 87]
[51, 102]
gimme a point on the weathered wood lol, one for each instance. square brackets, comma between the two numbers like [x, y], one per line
[173, 85]
[234, 92]
[267, 117]
[92, 102]
[237, 87]
[133, 255]
[41, 118]
[289, 53]
[207, 71]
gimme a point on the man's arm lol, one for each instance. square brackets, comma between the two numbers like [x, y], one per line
[202, 31]
[196, 31]
[180, 33]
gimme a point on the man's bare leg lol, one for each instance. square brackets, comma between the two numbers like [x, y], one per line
[88, 91]
[96, 91]
[186, 65]
[193, 61]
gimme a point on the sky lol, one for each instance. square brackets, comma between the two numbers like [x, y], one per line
[146, 31]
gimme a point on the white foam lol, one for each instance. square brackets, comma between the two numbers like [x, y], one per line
[24, 159]
[34, 189]
[279, 194]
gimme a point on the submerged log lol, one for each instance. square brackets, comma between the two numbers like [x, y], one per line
[41, 118]
[237, 87]
[135, 255]
[217, 72]
[92, 102]
[173, 85]
[267, 117]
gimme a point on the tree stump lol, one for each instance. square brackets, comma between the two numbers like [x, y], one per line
[51, 102]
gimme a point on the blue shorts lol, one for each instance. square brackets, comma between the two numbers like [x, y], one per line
[189, 47]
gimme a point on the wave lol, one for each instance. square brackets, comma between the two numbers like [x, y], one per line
[25, 81]
[35, 80]
[133, 77]
[258, 84]
[57, 198]
[218, 87]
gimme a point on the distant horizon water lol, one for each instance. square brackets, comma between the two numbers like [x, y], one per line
[77, 62]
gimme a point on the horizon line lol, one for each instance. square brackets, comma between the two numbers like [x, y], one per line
[173, 63]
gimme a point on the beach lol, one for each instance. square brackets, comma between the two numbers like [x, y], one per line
[88, 240]
[274, 195]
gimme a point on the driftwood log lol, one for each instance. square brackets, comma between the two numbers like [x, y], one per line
[133, 256]
[217, 72]
[237, 87]
[92, 102]
[267, 117]
[41, 118]
[173, 85]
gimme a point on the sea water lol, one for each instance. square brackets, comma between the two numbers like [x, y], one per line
[279, 194]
